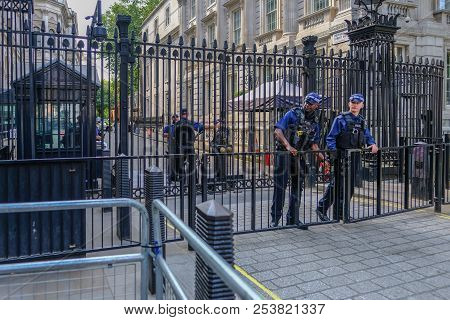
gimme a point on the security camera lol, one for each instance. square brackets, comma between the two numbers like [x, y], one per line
[407, 19]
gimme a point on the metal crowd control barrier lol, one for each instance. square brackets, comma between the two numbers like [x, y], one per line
[80, 263]
[227, 274]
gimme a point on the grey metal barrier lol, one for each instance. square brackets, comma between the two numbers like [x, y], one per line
[83, 263]
[227, 274]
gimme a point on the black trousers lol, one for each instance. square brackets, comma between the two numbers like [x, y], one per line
[328, 198]
[220, 162]
[287, 166]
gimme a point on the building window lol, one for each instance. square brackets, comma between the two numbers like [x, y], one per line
[345, 5]
[193, 8]
[167, 16]
[401, 51]
[443, 4]
[156, 26]
[448, 78]
[211, 2]
[316, 5]
[237, 26]
[271, 15]
[38, 36]
[211, 34]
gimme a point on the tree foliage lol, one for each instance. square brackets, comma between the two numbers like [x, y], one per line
[139, 10]
[105, 99]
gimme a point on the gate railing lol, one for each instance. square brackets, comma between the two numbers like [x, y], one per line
[394, 180]
[446, 171]
[212, 259]
[78, 264]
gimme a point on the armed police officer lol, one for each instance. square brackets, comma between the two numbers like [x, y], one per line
[185, 132]
[169, 136]
[220, 145]
[298, 130]
[349, 131]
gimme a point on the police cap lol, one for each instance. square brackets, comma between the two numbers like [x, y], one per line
[313, 98]
[357, 97]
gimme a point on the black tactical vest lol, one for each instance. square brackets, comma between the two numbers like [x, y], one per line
[299, 134]
[184, 135]
[352, 137]
[221, 137]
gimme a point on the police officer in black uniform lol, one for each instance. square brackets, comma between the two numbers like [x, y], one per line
[349, 131]
[298, 130]
[220, 145]
[169, 135]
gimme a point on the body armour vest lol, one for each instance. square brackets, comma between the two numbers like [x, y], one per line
[352, 137]
[300, 133]
[184, 135]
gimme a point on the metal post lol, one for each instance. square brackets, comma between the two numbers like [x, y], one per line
[123, 22]
[29, 116]
[157, 244]
[154, 190]
[215, 227]
[123, 191]
[309, 75]
[347, 185]
[337, 208]
[407, 177]
[204, 177]
[432, 155]
[401, 160]
[379, 168]
[192, 190]
[447, 162]
[439, 165]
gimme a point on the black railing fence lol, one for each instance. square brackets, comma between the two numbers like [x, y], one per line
[107, 102]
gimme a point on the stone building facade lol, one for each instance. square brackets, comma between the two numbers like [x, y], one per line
[425, 30]
[53, 11]
[425, 25]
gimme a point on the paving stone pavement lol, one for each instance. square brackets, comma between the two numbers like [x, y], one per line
[405, 256]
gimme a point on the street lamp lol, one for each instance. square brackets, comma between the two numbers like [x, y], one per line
[98, 31]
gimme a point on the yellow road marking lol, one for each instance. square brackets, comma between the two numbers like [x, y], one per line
[257, 283]
[170, 225]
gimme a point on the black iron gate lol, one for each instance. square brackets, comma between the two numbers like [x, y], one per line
[110, 100]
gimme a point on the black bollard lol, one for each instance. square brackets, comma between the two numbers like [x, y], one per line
[215, 226]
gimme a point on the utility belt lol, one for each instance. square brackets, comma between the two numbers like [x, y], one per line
[223, 148]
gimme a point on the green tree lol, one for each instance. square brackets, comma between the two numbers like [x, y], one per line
[138, 10]
[105, 99]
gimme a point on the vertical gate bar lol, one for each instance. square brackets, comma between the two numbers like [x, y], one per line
[379, 182]
[438, 192]
[123, 23]
[447, 163]
[347, 158]
[116, 91]
[252, 138]
[157, 92]
[432, 155]
[29, 116]
[407, 177]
